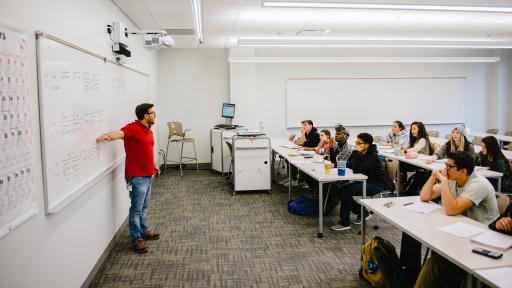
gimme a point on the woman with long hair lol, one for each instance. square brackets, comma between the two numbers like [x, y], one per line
[418, 140]
[491, 156]
[457, 142]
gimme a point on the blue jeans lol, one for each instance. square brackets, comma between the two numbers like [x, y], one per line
[140, 194]
[347, 200]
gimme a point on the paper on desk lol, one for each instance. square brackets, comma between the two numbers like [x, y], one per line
[302, 152]
[290, 146]
[442, 161]
[481, 168]
[494, 239]
[462, 229]
[423, 157]
[422, 207]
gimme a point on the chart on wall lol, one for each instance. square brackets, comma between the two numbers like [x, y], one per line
[81, 96]
[17, 199]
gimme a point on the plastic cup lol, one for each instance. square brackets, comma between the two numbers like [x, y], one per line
[327, 167]
[342, 171]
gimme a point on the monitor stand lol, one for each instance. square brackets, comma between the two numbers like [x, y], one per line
[229, 121]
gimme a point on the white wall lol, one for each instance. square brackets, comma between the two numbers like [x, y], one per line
[59, 250]
[258, 89]
[193, 84]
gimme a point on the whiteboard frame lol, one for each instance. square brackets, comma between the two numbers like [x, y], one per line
[61, 203]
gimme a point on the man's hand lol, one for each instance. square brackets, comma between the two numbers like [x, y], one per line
[442, 176]
[103, 138]
[156, 171]
[504, 224]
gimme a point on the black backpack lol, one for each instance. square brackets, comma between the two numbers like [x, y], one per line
[380, 264]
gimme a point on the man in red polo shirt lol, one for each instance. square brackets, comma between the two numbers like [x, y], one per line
[139, 170]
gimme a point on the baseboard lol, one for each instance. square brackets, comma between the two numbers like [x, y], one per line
[104, 255]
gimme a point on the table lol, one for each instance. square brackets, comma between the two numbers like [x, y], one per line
[453, 248]
[313, 168]
[495, 277]
[500, 138]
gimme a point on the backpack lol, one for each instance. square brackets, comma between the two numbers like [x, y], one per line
[380, 265]
[416, 182]
[304, 206]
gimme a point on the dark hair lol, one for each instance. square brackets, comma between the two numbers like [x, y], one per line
[326, 132]
[422, 133]
[366, 137]
[142, 109]
[307, 121]
[494, 151]
[400, 124]
[462, 160]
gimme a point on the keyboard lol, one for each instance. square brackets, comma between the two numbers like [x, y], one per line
[227, 126]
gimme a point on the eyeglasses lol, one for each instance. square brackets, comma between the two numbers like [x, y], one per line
[360, 143]
[449, 166]
[154, 113]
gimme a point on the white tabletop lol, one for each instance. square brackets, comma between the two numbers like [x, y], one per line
[424, 228]
[496, 277]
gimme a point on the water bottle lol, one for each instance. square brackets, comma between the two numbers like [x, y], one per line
[342, 168]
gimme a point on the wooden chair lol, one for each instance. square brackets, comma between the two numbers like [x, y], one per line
[492, 131]
[376, 139]
[433, 133]
[477, 141]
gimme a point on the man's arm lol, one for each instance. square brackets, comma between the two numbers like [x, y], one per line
[452, 206]
[114, 135]
[156, 168]
[504, 224]
[430, 190]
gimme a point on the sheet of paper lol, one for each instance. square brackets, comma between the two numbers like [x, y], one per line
[481, 168]
[302, 152]
[421, 207]
[462, 229]
[290, 146]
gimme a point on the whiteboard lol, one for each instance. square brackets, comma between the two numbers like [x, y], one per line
[17, 165]
[375, 101]
[81, 96]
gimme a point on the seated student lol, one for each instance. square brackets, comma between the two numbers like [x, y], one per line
[339, 152]
[491, 156]
[365, 160]
[504, 223]
[311, 139]
[462, 192]
[326, 143]
[418, 142]
[398, 135]
[457, 142]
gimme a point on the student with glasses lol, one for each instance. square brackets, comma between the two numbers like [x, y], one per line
[365, 160]
[462, 192]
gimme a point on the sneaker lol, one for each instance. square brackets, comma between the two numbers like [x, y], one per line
[294, 183]
[358, 219]
[140, 247]
[339, 227]
[282, 182]
[148, 235]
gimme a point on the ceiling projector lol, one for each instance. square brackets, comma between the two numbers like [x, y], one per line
[157, 41]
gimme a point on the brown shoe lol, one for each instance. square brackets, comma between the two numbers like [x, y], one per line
[140, 247]
[148, 235]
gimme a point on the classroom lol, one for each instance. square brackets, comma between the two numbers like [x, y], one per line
[255, 143]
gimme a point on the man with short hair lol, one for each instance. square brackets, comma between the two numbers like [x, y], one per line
[139, 170]
[310, 138]
[462, 192]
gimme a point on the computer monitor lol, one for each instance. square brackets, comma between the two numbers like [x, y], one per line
[228, 111]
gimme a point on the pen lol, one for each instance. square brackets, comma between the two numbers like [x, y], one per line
[408, 203]
[388, 204]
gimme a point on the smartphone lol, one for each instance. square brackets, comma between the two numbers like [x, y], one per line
[488, 253]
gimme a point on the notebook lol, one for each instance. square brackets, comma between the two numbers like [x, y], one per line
[494, 239]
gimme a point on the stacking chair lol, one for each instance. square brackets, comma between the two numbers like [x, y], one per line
[477, 141]
[447, 136]
[433, 133]
[376, 139]
[509, 146]
[177, 135]
[391, 167]
[290, 138]
[492, 131]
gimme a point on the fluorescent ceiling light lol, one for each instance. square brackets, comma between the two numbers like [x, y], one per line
[334, 43]
[299, 4]
[197, 10]
[363, 59]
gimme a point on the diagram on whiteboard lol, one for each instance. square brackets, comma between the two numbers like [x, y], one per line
[17, 199]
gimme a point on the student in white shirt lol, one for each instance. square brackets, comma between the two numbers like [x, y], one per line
[398, 136]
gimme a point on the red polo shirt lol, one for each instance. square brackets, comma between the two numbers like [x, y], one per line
[138, 144]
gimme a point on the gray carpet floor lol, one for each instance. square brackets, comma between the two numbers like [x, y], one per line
[210, 238]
